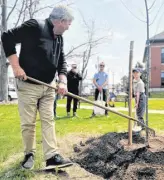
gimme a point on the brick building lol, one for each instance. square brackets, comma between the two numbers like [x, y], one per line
[156, 62]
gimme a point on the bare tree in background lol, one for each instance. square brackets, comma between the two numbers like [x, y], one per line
[124, 83]
[24, 9]
[3, 63]
[118, 87]
[28, 9]
[93, 41]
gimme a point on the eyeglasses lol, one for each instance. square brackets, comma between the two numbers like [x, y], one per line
[101, 65]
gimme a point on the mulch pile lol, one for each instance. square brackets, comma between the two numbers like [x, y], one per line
[110, 157]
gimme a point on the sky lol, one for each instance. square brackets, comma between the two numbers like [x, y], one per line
[112, 19]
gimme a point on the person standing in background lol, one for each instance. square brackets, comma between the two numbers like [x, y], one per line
[100, 81]
[73, 78]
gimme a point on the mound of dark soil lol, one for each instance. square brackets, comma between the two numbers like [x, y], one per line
[109, 156]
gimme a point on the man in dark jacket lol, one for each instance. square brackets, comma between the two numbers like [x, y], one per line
[73, 79]
[40, 57]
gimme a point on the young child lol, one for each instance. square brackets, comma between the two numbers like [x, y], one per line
[112, 97]
[139, 94]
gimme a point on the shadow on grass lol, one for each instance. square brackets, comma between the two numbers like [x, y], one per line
[68, 118]
[62, 118]
[59, 173]
[96, 117]
[79, 117]
[17, 173]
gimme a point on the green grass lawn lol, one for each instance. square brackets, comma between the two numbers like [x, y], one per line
[157, 94]
[10, 136]
[154, 104]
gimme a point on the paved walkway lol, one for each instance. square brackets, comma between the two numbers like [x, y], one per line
[116, 109]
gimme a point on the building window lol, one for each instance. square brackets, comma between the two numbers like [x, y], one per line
[162, 55]
[162, 79]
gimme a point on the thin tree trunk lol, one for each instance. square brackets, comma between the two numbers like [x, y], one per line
[130, 92]
[3, 64]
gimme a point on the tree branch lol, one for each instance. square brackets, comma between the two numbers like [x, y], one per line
[20, 13]
[42, 8]
[9, 14]
[131, 12]
[74, 56]
[85, 75]
[49, 6]
[152, 5]
[75, 48]
[93, 42]
[156, 14]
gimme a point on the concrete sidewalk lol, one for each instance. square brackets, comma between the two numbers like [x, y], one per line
[116, 109]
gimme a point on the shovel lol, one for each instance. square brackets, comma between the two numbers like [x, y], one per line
[151, 131]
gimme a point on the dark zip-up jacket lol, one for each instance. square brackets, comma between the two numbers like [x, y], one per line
[73, 82]
[41, 54]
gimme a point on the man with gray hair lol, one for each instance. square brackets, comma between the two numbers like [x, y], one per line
[40, 57]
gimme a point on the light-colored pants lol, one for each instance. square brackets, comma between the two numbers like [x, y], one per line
[33, 97]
